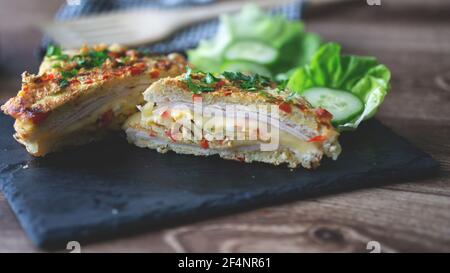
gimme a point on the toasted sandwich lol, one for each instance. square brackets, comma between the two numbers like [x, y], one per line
[78, 95]
[235, 116]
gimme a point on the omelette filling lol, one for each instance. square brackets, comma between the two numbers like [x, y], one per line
[180, 124]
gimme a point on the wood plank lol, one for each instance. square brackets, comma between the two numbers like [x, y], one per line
[12, 238]
[343, 222]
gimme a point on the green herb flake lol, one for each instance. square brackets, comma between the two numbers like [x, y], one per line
[53, 50]
[187, 75]
[91, 59]
[195, 88]
[123, 60]
[248, 85]
[281, 85]
[210, 79]
[246, 82]
[63, 83]
[69, 74]
[63, 57]
[80, 61]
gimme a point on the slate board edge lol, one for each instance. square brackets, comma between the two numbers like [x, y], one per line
[425, 166]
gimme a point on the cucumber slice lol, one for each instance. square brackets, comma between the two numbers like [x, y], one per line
[252, 51]
[343, 105]
[246, 68]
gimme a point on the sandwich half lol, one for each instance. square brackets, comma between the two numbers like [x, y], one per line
[235, 116]
[78, 95]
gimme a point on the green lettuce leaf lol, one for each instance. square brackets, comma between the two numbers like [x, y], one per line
[294, 46]
[364, 77]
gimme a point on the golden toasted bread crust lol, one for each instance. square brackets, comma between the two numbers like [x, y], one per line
[79, 94]
[43, 93]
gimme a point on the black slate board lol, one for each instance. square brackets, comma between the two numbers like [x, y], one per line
[110, 188]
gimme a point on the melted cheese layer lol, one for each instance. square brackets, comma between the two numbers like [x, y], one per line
[156, 121]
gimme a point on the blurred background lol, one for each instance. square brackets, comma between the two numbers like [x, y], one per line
[409, 36]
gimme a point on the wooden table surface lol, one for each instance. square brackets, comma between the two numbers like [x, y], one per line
[410, 37]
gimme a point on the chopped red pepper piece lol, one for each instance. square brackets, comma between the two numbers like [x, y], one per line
[114, 54]
[302, 107]
[317, 139]
[136, 71]
[220, 83]
[165, 114]
[48, 77]
[137, 68]
[323, 114]
[118, 72]
[286, 107]
[154, 74]
[227, 93]
[204, 144]
[140, 65]
[196, 96]
[169, 135]
[74, 81]
[163, 64]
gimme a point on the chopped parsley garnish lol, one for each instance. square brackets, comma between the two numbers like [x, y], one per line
[91, 59]
[81, 62]
[247, 82]
[123, 60]
[63, 57]
[97, 58]
[281, 85]
[65, 76]
[210, 79]
[69, 74]
[207, 84]
[233, 76]
[53, 50]
[196, 88]
[63, 83]
[249, 85]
